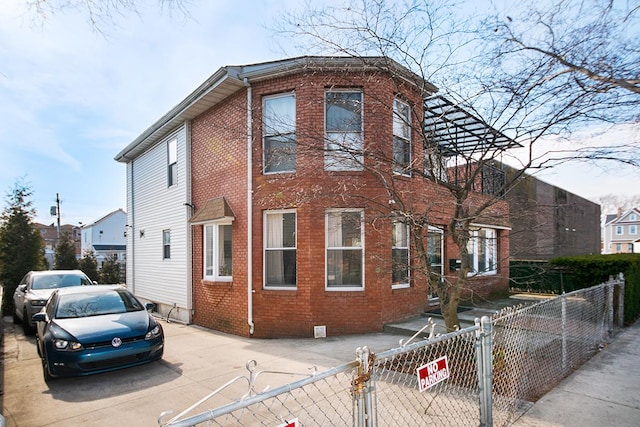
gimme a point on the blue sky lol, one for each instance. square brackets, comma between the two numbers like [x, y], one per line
[72, 98]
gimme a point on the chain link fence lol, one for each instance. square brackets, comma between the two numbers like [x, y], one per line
[487, 374]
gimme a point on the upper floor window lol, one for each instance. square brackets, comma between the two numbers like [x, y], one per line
[218, 260]
[619, 230]
[279, 133]
[280, 249]
[172, 162]
[399, 254]
[166, 244]
[343, 130]
[345, 249]
[633, 229]
[632, 217]
[401, 138]
[483, 248]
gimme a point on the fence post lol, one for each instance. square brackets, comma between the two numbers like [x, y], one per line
[621, 300]
[484, 345]
[563, 311]
[361, 390]
[610, 288]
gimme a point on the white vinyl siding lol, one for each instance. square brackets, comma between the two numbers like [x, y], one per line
[152, 208]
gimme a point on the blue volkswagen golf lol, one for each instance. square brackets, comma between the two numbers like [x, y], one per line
[91, 329]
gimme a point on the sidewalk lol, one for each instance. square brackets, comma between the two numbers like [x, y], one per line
[605, 391]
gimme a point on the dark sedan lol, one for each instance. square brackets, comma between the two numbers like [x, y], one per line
[91, 329]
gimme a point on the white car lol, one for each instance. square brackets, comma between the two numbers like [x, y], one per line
[35, 288]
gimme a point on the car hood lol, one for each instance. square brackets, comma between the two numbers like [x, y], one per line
[42, 294]
[105, 327]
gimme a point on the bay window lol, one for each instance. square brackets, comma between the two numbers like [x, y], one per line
[399, 254]
[280, 249]
[217, 252]
[279, 133]
[343, 130]
[401, 138]
[345, 249]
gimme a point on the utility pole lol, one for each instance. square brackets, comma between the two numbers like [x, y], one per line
[58, 211]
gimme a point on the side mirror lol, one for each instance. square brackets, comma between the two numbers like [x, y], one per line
[150, 306]
[22, 288]
[39, 317]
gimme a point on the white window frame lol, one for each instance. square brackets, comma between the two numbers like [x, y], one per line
[166, 244]
[279, 248]
[401, 144]
[490, 246]
[211, 233]
[396, 236]
[619, 230]
[633, 229]
[172, 162]
[439, 232]
[632, 217]
[329, 247]
[335, 157]
[283, 128]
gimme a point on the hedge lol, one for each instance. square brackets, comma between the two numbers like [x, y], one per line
[566, 274]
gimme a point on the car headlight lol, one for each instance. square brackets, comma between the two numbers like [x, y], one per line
[153, 333]
[38, 302]
[64, 345]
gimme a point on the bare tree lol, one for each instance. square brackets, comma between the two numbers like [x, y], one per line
[465, 133]
[100, 13]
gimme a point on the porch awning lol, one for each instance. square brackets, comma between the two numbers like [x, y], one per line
[215, 209]
[458, 132]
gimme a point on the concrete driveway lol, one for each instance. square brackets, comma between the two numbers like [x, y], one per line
[196, 361]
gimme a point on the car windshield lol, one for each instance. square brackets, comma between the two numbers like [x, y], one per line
[52, 281]
[96, 304]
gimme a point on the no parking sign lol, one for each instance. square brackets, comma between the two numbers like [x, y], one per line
[432, 373]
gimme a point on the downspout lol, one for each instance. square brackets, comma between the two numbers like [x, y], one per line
[133, 236]
[249, 210]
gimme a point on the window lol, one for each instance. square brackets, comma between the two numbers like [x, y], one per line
[280, 249]
[344, 249]
[166, 244]
[618, 247]
[218, 259]
[482, 249]
[632, 217]
[630, 247]
[279, 130]
[434, 252]
[172, 162]
[619, 230]
[400, 254]
[633, 229]
[343, 130]
[401, 138]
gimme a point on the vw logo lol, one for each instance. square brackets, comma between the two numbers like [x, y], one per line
[116, 342]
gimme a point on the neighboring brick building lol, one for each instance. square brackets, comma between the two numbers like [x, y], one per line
[260, 204]
[549, 222]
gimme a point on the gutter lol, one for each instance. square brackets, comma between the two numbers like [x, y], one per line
[249, 210]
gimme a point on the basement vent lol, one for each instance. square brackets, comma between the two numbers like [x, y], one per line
[319, 331]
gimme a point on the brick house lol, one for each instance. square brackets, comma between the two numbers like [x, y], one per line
[262, 205]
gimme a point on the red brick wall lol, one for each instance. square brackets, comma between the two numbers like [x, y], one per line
[219, 169]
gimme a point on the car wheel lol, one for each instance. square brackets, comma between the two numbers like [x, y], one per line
[45, 370]
[26, 326]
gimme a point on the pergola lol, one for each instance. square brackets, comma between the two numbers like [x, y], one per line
[457, 132]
